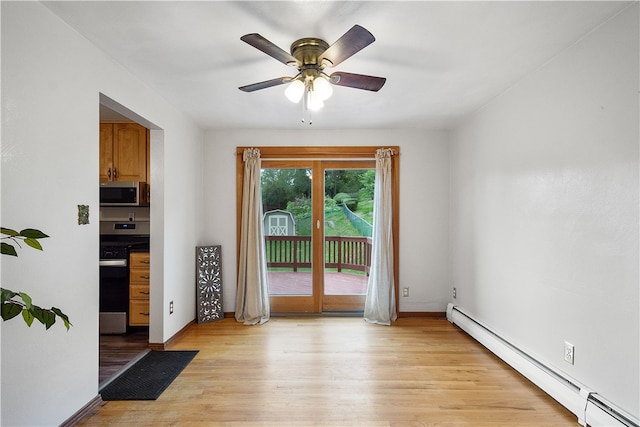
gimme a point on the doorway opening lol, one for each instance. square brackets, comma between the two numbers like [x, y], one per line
[125, 239]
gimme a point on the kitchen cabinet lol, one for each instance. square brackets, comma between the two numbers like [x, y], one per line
[124, 152]
[139, 289]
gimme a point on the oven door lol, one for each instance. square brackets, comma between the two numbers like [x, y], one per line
[114, 296]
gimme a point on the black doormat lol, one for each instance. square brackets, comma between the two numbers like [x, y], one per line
[148, 377]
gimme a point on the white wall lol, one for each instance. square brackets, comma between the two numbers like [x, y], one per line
[545, 212]
[424, 195]
[51, 81]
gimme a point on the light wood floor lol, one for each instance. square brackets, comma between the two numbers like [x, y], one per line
[330, 371]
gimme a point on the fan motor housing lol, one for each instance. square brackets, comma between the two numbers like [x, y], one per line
[307, 51]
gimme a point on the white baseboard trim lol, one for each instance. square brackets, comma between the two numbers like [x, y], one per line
[590, 408]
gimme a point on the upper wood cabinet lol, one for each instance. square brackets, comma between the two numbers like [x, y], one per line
[124, 152]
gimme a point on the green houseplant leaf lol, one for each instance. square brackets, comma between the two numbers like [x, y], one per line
[8, 232]
[28, 317]
[26, 299]
[8, 249]
[63, 316]
[10, 310]
[6, 295]
[32, 233]
[14, 303]
[46, 317]
[33, 243]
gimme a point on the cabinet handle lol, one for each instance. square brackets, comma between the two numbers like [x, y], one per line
[144, 314]
[109, 173]
[144, 293]
[144, 277]
[115, 173]
[145, 261]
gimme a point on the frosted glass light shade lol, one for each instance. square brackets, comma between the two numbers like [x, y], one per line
[314, 103]
[322, 88]
[294, 91]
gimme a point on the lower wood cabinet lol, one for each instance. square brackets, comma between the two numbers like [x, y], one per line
[139, 289]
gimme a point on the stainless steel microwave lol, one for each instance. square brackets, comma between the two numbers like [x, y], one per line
[123, 193]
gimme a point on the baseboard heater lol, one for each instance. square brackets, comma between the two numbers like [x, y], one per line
[590, 408]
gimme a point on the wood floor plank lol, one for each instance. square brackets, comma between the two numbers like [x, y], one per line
[331, 371]
[116, 351]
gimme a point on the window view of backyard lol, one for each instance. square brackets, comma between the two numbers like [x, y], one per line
[288, 223]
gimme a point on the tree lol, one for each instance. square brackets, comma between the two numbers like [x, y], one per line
[280, 186]
[345, 181]
[367, 183]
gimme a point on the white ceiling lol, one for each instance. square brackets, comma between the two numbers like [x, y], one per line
[442, 60]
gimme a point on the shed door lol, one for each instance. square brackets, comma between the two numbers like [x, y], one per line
[278, 225]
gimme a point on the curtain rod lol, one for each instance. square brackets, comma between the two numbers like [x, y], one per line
[311, 158]
[324, 159]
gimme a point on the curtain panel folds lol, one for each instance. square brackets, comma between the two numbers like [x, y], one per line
[380, 302]
[252, 296]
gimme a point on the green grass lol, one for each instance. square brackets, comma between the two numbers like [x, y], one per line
[336, 223]
[365, 211]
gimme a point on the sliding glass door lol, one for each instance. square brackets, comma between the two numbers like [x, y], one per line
[317, 226]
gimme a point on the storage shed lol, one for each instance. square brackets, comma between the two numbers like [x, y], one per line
[279, 223]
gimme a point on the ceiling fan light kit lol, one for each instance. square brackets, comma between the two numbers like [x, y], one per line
[311, 56]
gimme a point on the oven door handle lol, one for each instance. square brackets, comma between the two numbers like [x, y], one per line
[113, 263]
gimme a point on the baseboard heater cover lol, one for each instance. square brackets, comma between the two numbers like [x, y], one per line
[590, 408]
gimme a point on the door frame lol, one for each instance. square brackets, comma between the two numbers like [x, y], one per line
[315, 153]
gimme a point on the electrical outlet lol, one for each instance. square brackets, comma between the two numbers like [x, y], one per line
[170, 307]
[455, 292]
[568, 352]
[405, 292]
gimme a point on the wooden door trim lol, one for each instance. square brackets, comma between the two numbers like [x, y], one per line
[273, 153]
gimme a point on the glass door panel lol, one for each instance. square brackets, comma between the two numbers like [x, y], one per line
[287, 224]
[348, 224]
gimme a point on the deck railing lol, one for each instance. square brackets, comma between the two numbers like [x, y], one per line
[352, 253]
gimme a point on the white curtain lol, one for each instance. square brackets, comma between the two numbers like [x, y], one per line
[380, 303]
[252, 298]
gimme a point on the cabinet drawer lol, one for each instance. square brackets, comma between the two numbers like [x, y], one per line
[139, 292]
[139, 276]
[139, 260]
[139, 312]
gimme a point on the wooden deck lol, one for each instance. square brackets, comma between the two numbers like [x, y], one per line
[299, 283]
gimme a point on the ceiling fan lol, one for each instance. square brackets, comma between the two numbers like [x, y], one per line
[311, 56]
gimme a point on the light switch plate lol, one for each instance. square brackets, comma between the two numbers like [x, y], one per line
[83, 214]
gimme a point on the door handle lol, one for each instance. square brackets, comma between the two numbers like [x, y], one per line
[318, 224]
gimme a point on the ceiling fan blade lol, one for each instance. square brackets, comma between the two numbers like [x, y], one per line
[265, 84]
[357, 81]
[351, 42]
[260, 43]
